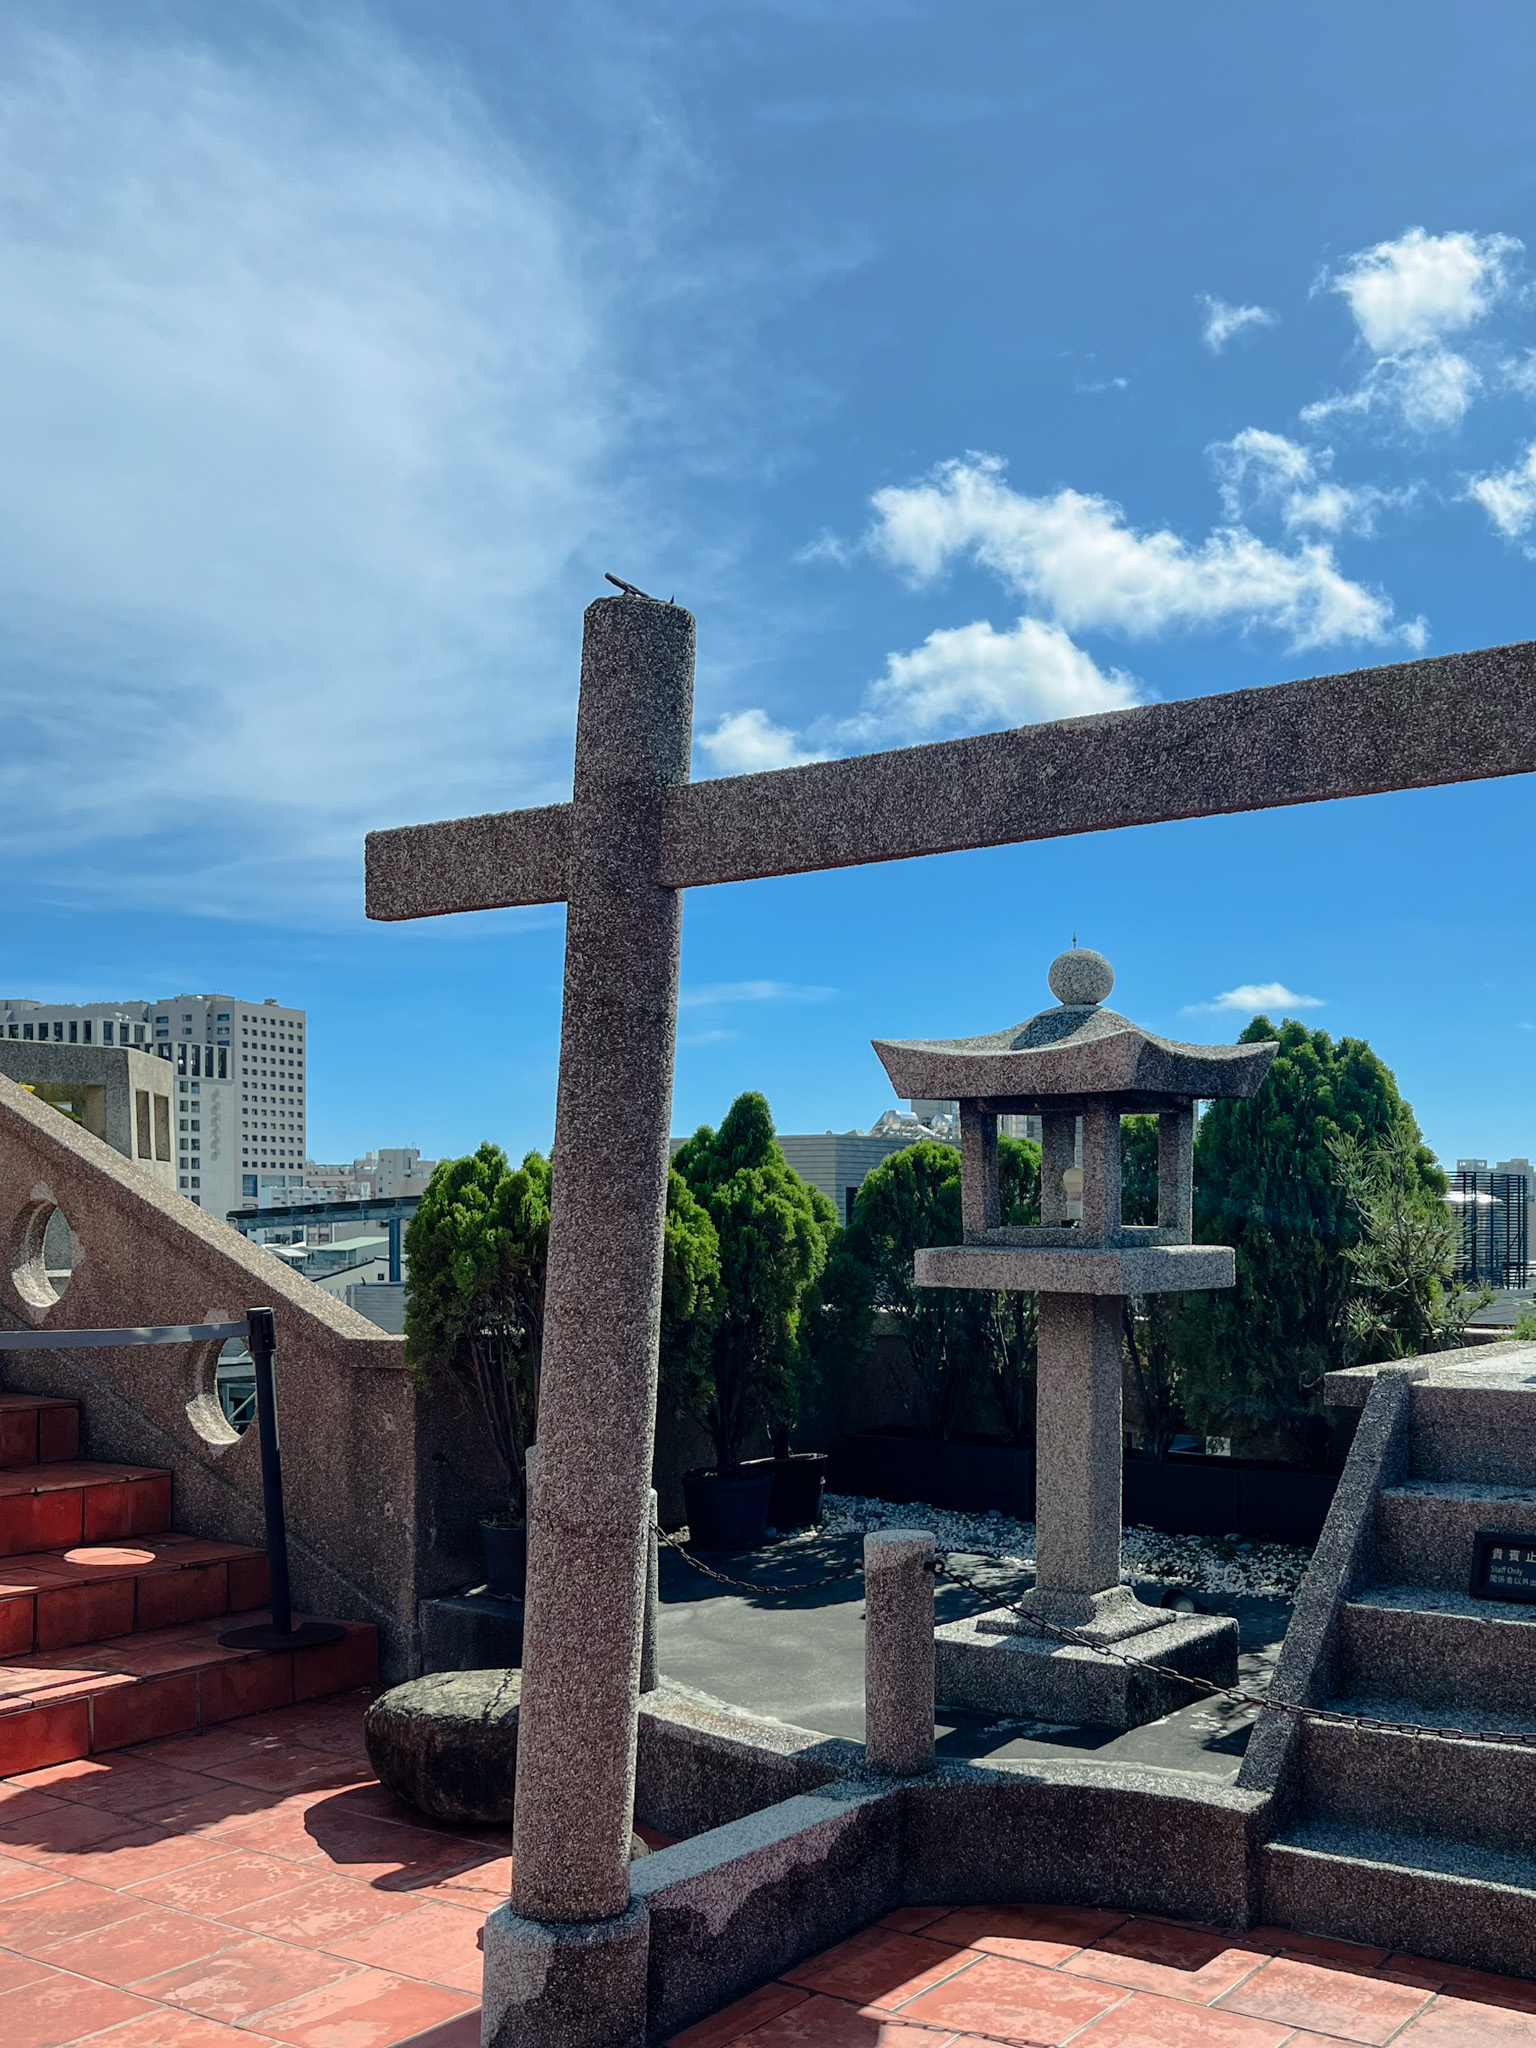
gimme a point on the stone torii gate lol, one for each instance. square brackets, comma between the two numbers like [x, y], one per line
[634, 836]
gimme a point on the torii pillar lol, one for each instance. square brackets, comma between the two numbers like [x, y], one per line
[566, 1960]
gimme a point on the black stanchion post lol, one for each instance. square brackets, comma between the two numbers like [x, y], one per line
[280, 1634]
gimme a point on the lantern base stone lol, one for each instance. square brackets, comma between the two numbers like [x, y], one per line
[1108, 1617]
[988, 1672]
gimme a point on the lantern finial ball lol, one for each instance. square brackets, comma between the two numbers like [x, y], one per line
[1081, 978]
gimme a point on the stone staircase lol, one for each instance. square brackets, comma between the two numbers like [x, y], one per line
[1392, 1839]
[109, 1619]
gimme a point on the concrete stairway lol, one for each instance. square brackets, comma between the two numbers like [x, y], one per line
[109, 1620]
[1419, 1844]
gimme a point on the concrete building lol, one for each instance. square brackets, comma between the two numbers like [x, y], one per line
[393, 1170]
[240, 1084]
[120, 1096]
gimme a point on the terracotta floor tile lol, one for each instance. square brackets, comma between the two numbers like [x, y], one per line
[58, 1911]
[210, 1811]
[1175, 1962]
[320, 1913]
[878, 1967]
[17, 1876]
[766, 2003]
[833, 2023]
[17, 1970]
[143, 1946]
[274, 1832]
[246, 1979]
[371, 1803]
[1479, 1986]
[20, 1796]
[483, 1885]
[911, 1919]
[130, 1859]
[392, 1858]
[1149, 2022]
[1354, 1955]
[167, 2028]
[130, 1784]
[64, 1830]
[61, 2009]
[1461, 2023]
[1013, 2000]
[222, 1883]
[370, 2010]
[1031, 1934]
[1329, 2001]
[438, 1944]
[293, 1770]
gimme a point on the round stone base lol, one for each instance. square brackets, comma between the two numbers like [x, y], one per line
[447, 1745]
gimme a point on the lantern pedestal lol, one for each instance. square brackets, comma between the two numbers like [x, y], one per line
[1027, 1676]
[1080, 1069]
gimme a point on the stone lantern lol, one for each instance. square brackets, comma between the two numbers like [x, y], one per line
[1078, 1062]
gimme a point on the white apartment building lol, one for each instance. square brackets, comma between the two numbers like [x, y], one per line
[240, 1081]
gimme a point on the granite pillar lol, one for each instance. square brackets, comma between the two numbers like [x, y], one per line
[898, 1651]
[589, 1516]
[1078, 1451]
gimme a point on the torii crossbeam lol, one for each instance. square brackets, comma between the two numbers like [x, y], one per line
[634, 836]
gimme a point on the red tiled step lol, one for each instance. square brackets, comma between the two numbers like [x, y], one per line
[51, 1599]
[53, 1507]
[35, 1430]
[58, 1705]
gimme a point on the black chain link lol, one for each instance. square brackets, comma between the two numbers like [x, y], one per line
[940, 1566]
[853, 1571]
[1265, 1702]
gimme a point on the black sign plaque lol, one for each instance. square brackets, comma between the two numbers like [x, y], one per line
[1504, 1565]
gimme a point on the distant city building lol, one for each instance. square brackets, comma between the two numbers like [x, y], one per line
[239, 1093]
[1494, 1204]
[393, 1170]
[121, 1096]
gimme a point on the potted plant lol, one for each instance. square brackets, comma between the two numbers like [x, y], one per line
[772, 1232]
[474, 1320]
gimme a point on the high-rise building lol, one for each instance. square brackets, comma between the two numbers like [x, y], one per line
[240, 1081]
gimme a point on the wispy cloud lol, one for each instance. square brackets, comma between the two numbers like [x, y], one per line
[304, 398]
[710, 995]
[1260, 471]
[1223, 323]
[1250, 996]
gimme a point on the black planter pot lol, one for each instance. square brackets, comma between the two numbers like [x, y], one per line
[729, 1513]
[795, 1502]
[506, 1561]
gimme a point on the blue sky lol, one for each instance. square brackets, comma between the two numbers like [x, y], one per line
[957, 366]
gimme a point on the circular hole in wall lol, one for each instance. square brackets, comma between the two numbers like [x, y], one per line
[42, 1254]
[223, 1405]
[235, 1384]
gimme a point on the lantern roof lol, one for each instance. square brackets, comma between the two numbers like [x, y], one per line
[1074, 1051]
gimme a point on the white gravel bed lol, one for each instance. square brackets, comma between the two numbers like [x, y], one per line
[1204, 1564]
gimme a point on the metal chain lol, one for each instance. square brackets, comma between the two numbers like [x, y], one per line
[1265, 1702]
[1239, 1695]
[753, 1586]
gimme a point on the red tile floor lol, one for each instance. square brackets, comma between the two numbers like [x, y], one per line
[256, 1884]
[1041, 1976]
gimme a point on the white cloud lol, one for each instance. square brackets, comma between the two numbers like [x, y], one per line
[1431, 391]
[1256, 995]
[1074, 556]
[1224, 322]
[1509, 496]
[746, 742]
[1412, 292]
[710, 995]
[1406, 297]
[1266, 471]
[973, 678]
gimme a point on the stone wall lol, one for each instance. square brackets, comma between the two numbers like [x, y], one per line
[383, 1488]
